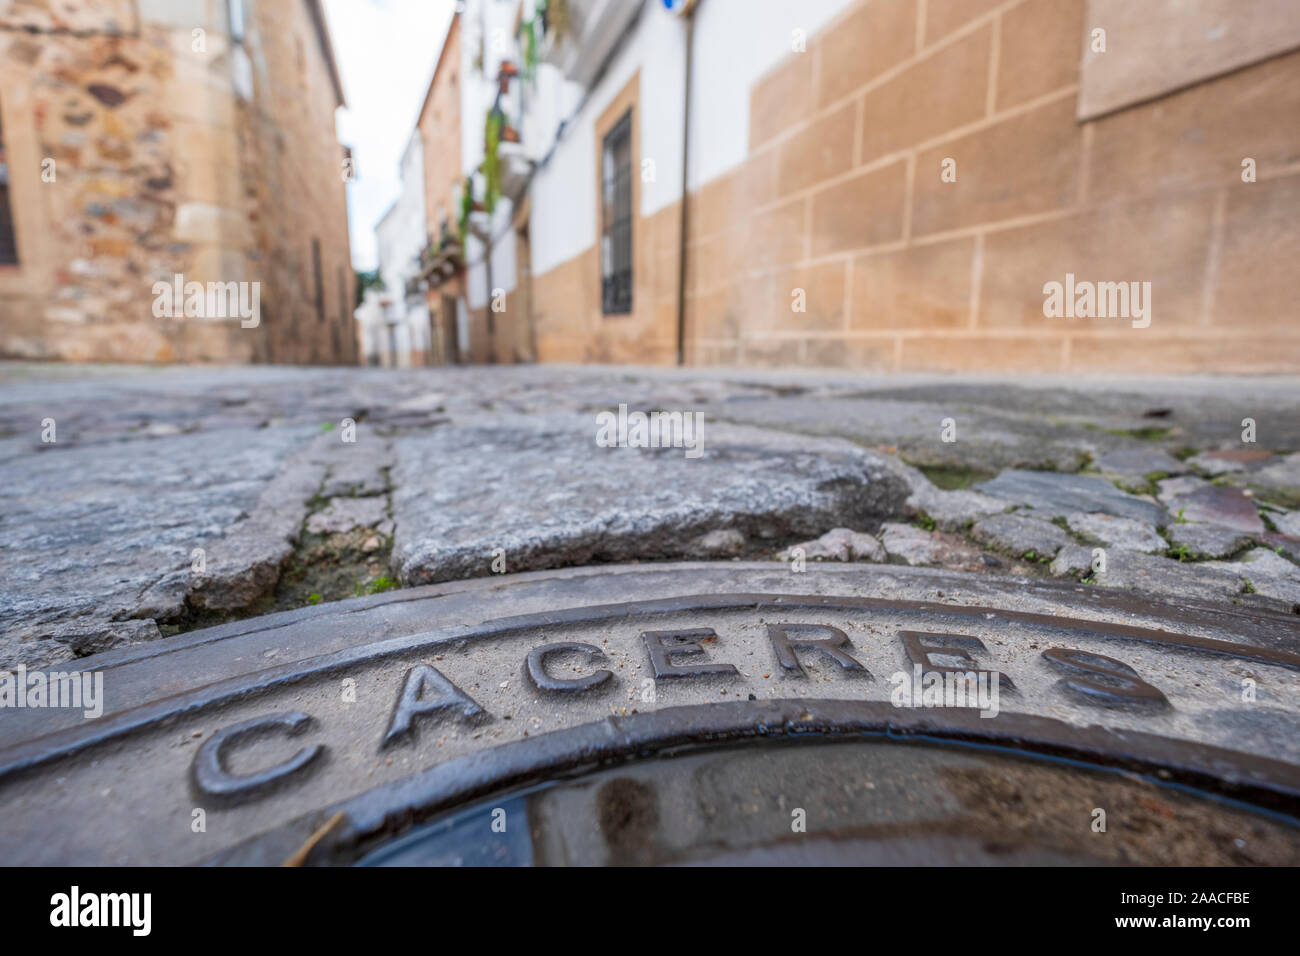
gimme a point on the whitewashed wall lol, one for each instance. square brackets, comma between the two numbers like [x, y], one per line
[736, 41]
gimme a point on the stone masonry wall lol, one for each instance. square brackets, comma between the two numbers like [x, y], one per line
[159, 168]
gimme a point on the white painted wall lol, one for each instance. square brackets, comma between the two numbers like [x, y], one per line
[736, 42]
[401, 235]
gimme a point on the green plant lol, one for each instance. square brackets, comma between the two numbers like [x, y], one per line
[314, 598]
[491, 161]
[528, 41]
[1147, 433]
[923, 520]
[368, 280]
[466, 207]
[1181, 552]
[1178, 518]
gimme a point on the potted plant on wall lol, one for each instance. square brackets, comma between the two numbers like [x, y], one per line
[553, 28]
[505, 73]
[554, 15]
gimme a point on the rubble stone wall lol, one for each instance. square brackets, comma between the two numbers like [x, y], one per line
[144, 144]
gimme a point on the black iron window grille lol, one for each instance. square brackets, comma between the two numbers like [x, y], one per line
[8, 244]
[616, 218]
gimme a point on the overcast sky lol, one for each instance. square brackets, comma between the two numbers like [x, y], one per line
[386, 50]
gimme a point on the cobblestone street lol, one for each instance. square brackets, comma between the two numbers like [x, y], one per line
[140, 503]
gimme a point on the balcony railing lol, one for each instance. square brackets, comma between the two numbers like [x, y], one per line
[441, 260]
[592, 29]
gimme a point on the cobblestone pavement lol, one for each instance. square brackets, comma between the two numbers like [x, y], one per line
[141, 502]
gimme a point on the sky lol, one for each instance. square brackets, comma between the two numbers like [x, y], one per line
[386, 51]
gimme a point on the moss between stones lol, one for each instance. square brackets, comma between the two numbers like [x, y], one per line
[1288, 499]
[332, 567]
[952, 477]
[1147, 433]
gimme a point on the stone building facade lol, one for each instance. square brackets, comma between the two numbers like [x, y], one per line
[439, 129]
[150, 139]
[898, 184]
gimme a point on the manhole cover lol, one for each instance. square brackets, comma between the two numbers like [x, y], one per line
[669, 713]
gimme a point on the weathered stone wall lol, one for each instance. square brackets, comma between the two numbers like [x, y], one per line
[134, 158]
[292, 174]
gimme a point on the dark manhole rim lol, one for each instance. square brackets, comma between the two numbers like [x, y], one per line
[33, 753]
[386, 812]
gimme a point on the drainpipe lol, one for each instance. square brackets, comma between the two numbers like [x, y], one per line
[686, 155]
[487, 278]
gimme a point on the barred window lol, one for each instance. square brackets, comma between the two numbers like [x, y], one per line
[8, 245]
[616, 218]
[319, 280]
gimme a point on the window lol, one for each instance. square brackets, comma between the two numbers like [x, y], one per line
[343, 297]
[320, 280]
[616, 218]
[8, 246]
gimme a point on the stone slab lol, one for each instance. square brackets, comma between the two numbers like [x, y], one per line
[1122, 533]
[1207, 540]
[538, 491]
[1060, 495]
[1020, 536]
[1218, 505]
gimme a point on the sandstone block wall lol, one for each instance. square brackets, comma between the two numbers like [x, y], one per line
[841, 203]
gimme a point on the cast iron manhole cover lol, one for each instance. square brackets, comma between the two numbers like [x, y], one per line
[681, 712]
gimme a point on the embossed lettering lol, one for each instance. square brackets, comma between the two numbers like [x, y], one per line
[212, 779]
[412, 702]
[922, 645]
[535, 667]
[1103, 679]
[787, 638]
[683, 643]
